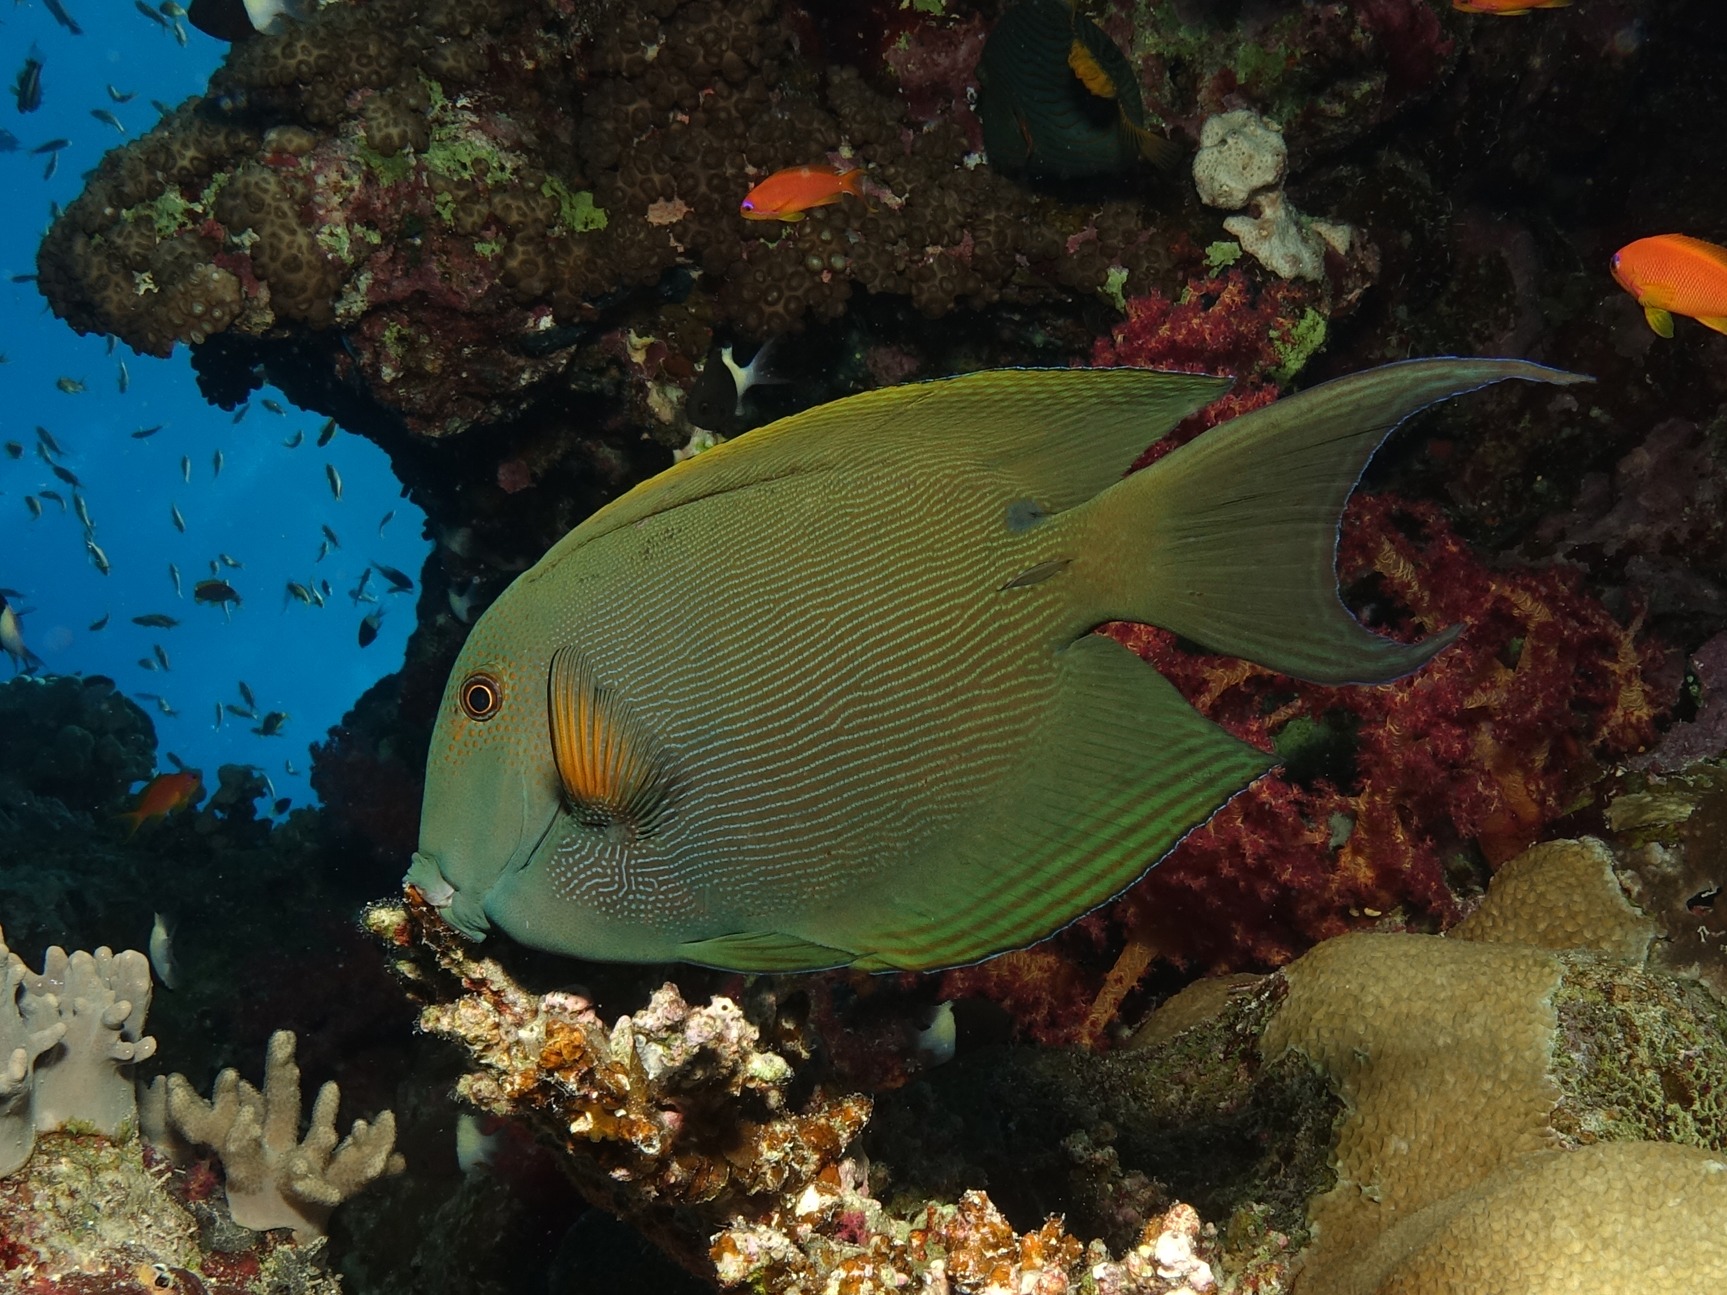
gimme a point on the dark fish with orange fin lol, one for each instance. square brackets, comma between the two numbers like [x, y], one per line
[1059, 100]
[1675, 274]
[164, 794]
[788, 194]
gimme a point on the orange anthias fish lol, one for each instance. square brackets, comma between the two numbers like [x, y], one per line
[164, 794]
[1674, 274]
[1507, 8]
[786, 195]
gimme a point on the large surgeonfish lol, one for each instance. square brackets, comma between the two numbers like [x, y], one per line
[829, 694]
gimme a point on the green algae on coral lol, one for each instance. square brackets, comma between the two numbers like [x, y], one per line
[1298, 344]
[1222, 254]
[576, 210]
[1114, 281]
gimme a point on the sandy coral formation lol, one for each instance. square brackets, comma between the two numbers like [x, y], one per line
[69, 1036]
[274, 1177]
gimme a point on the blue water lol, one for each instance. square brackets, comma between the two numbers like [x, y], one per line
[264, 509]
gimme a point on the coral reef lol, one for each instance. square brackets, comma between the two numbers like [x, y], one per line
[273, 1177]
[95, 741]
[1390, 1108]
[69, 1036]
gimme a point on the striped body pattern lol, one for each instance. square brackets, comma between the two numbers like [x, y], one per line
[829, 693]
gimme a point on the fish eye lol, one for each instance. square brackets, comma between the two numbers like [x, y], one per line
[480, 696]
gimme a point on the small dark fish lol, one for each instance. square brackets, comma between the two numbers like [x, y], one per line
[71, 386]
[359, 594]
[23, 278]
[101, 622]
[27, 87]
[323, 550]
[246, 695]
[240, 414]
[67, 475]
[218, 723]
[124, 379]
[34, 505]
[335, 541]
[280, 805]
[233, 564]
[369, 627]
[328, 592]
[107, 118]
[271, 726]
[122, 96]
[82, 508]
[215, 591]
[216, 465]
[144, 433]
[399, 581]
[274, 406]
[297, 590]
[386, 521]
[52, 166]
[98, 559]
[335, 479]
[56, 496]
[8, 142]
[171, 10]
[157, 651]
[174, 575]
[145, 663]
[46, 440]
[293, 442]
[52, 146]
[62, 17]
[186, 469]
[14, 450]
[239, 712]
[155, 621]
[326, 432]
[151, 14]
[175, 517]
[162, 705]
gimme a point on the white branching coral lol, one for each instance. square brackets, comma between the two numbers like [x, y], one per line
[68, 1038]
[275, 1178]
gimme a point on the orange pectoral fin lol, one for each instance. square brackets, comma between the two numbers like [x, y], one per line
[604, 756]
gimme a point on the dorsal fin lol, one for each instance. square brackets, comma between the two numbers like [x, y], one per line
[1063, 435]
[605, 757]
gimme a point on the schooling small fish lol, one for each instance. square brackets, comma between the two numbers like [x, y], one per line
[145, 433]
[369, 626]
[164, 794]
[293, 442]
[274, 406]
[788, 194]
[335, 479]
[51, 146]
[399, 581]
[1508, 8]
[246, 694]
[155, 621]
[98, 559]
[957, 765]
[150, 13]
[121, 96]
[1675, 274]
[124, 379]
[12, 639]
[327, 432]
[71, 386]
[27, 86]
[107, 118]
[186, 468]
[161, 655]
[45, 439]
[174, 575]
[330, 535]
[16, 451]
[297, 591]
[383, 523]
[65, 19]
[271, 724]
[218, 592]
[101, 622]
[175, 517]
[216, 465]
